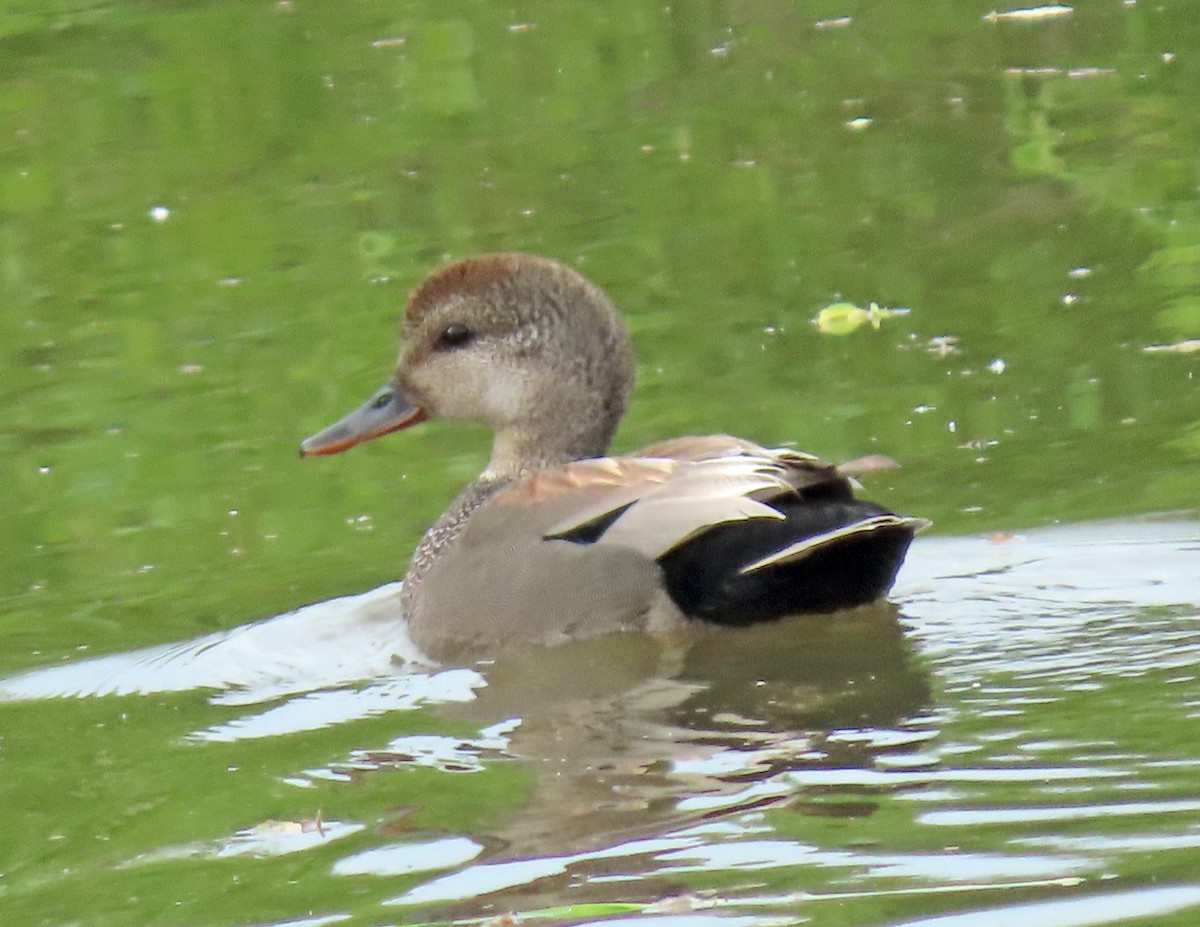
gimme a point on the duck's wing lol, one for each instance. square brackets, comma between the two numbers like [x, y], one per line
[667, 494]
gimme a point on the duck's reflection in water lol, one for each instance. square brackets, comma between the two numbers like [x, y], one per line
[625, 737]
[632, 734]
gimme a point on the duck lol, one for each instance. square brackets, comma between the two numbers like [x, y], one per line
[557, 539]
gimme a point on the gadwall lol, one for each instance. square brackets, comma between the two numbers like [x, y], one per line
[555, 540]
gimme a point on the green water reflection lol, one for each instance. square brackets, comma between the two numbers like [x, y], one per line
[210, 215]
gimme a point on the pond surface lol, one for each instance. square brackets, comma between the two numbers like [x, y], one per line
[210, 216]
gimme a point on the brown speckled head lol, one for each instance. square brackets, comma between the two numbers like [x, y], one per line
[525, 345]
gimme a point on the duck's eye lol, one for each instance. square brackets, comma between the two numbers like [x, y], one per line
[454, 335]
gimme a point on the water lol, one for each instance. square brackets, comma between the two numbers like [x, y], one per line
[1023, 727]
[209, 219]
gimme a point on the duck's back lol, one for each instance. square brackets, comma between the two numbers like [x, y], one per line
[712, 528]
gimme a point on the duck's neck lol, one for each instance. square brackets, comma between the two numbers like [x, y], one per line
[532, 446]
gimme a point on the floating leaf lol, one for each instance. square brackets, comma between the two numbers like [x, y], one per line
[844, 318]
[841, 319]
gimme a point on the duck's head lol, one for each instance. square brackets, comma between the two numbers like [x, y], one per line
[523, 344]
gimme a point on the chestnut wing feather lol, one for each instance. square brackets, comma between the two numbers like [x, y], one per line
[668, 493]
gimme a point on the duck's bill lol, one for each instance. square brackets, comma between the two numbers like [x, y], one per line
[386, 411]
